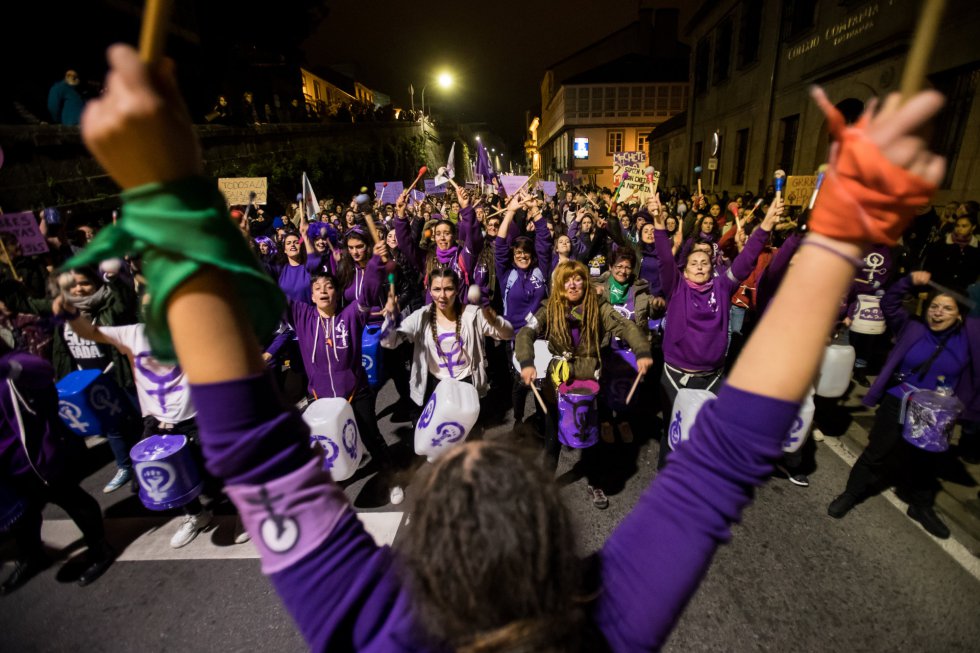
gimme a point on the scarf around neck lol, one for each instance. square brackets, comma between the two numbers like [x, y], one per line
[447, 256]
[617, 291]
[90, 304]
[700, 287]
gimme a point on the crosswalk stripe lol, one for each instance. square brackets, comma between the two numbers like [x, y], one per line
[149, 538]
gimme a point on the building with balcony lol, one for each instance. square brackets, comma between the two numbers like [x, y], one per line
[753, 61]
[609, 96]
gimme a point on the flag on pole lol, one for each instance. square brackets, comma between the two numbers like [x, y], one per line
[483, 168]
[450, 172]
[310, 205]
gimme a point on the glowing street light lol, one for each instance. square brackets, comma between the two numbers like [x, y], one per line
[478, 138]
[445, 80]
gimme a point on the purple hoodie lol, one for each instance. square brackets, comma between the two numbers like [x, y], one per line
[522, 290]
[695, 337]
[331, 346]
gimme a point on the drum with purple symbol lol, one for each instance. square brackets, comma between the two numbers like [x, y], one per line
[929, 419]
[578, 418]
[618, 373]
[167, 472]
[800, 428]
[90, 402]
[687, 405]
[334, 429]
[448, 417]
[868, 318]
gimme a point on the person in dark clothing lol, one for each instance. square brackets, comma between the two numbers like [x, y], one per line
[65, 103]
[955, 261]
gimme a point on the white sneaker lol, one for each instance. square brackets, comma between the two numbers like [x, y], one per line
[818, 435]
[241, 535]
[193, 524]
[396, 495]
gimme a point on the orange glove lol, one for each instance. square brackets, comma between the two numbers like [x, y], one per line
[865, 198]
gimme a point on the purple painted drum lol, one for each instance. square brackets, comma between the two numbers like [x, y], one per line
[618, 374]
[167, 472]
[578, 419]
[929, 419]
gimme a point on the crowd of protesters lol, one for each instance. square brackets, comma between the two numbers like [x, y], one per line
[464, 285]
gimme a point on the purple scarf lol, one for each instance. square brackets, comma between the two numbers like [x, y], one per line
[700, 287]
[446, 257]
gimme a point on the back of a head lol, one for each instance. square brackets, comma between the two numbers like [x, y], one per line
[489, 554]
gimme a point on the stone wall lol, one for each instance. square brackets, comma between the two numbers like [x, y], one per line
[47, 165]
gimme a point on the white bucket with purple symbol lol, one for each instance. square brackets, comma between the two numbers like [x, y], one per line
[334, 429]
[447, 418]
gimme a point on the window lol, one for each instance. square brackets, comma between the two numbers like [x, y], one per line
[786, 145]
[799, 15]
[701, 66]
[741, 156]
[641, 141]
[959, 87]
[614, 141]
[723, 51]
[749, 32]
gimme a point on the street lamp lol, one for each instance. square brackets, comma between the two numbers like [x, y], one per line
[477, 139]
[444, 80]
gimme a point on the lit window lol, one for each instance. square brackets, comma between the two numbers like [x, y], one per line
[614, 141]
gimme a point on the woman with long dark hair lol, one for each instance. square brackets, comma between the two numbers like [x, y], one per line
[493, 519]
[940, 351]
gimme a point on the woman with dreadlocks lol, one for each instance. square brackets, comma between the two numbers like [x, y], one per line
[574, 322]
[447, 337]
[485, 518]
[458, 255]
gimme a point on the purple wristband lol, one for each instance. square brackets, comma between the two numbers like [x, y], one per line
[290, 517]
[853, 260]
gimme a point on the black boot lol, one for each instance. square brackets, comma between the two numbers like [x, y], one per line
[841, 505]
[98, 560]
[23, 571]
[930, 521]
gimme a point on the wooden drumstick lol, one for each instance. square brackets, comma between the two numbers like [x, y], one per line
[537, 395]
[636, 383]
[3, 248]
[422, 171]
[922, 44]
[153, 33]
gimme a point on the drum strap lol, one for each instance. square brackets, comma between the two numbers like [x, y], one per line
[926, 365]
[18, 401]
[685, 377]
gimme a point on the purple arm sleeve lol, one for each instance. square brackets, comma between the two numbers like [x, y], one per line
[543, 243]
[472, 244]
[406, 241]
[277, 343]
[501, 258]
[744, 263]
[654, 562]
[27, 370]
[891, 304]
[668, 266]
[373, 280]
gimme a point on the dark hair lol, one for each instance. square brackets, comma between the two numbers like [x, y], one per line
[525, 244]
[345, 269]
[931, 297]
[91, 273]
[319, 275]
[624, 254]
[489, 555]
[281, 257]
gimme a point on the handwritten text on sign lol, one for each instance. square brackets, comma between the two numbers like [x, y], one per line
[798, 189]
[636, 187]
[24, 227]
[236, 189]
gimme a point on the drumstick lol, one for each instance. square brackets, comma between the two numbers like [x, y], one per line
[966, 301]
[422, 171]
[922, 43]
[153, 33]
[3, 247]
[633, 389]
[373, 228]
[537, 395]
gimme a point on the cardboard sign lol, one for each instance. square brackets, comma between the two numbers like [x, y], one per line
[388, 194]
[549, 188]
[432, 189]
[636, 187]
[415, 196]
[25, 229]
[512, 183]
[236, 189]
[623, 159]
[799, 188]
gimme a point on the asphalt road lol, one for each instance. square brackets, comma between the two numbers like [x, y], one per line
[791, 579]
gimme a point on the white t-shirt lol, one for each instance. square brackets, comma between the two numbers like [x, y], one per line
[162, 389]
[450, 362]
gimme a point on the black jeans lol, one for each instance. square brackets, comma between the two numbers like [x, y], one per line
[889, 455]
[80, 505]
[365, 415]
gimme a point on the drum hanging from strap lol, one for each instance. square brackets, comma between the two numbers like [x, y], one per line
[447, 418]
[835, 371]
[90, 402]
[868, 318]
[618, 373]
[334, 429]
[371, 355]
[929, 418]
[578, 418]
[167, 472]
[686, 407]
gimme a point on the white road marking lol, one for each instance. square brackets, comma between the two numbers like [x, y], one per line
[956, 551]
[149, 538]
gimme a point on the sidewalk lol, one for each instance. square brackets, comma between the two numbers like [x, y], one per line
[958, 502]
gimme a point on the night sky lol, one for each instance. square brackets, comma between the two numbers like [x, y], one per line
[497, 51]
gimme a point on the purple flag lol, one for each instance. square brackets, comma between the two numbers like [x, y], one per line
[483, 167]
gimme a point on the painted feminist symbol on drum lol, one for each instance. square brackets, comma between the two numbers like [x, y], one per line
[280, 533]
[156, 478]
[449, 432]
[430, 409]
[70, 413]
[367, 362]
[330, 450]
[872, 313]
[674, 434]
[102, 399]
[453, 358]
[794, 433]
[349, 439]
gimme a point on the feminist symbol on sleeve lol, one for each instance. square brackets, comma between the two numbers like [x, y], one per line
[279, 532]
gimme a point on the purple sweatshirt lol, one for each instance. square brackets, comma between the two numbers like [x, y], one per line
[343, 590]
[695, 338]
[295, 279]
[331, 346]
[522, 290]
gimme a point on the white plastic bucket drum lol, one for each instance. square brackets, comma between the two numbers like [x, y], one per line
[868, 319]
[447, 418]
[800, 429]
[542, 357]
[334, 429]
[835, 371]
[686, 407]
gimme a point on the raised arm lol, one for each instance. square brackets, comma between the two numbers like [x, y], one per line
[406, 238]
[892, 303]
[744, 263]
[662, 245]
[472, 244]
[543, 244]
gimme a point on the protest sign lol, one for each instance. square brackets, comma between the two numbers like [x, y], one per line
[636, 187]
[432, 189]
[512, 183]
[549, 188]
[415, 196]
[237, 189]
[623, 159]
[388, 194]
[25, 229]
[799, 188]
